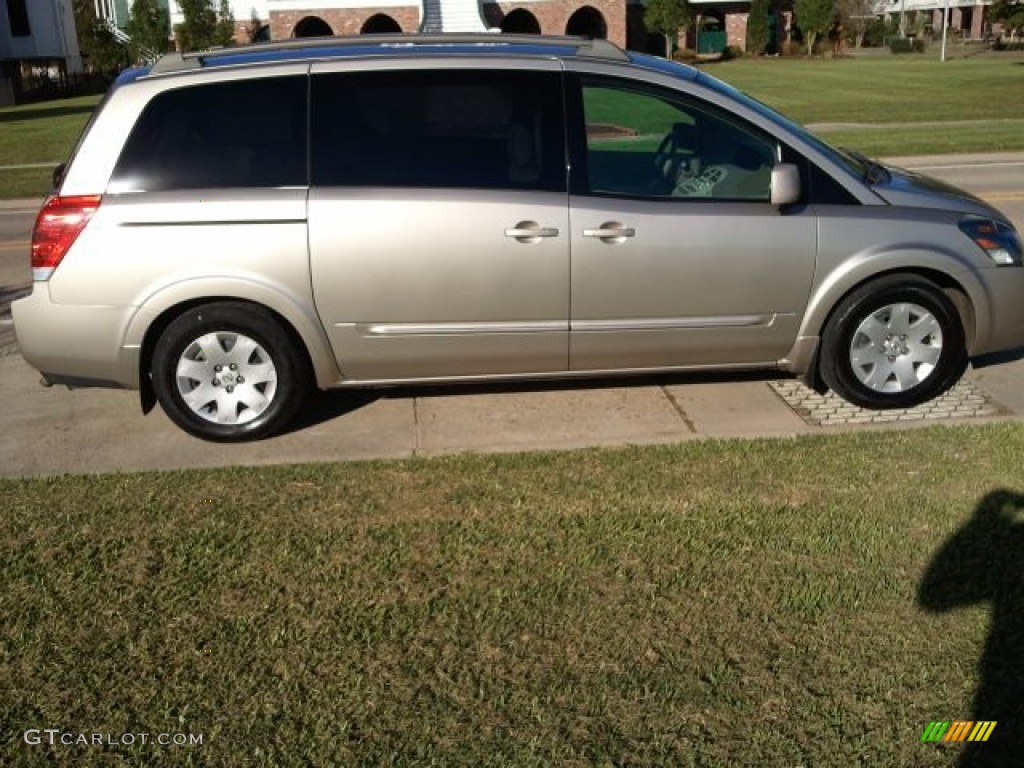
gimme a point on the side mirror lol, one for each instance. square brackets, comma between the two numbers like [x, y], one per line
[785, 184]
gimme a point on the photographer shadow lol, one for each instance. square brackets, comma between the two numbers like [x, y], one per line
[984, 562]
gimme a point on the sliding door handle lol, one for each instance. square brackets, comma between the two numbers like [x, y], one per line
[530, 232]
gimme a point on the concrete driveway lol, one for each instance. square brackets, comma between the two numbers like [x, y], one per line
[51, 431]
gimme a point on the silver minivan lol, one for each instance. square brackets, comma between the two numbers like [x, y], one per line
[236, 226]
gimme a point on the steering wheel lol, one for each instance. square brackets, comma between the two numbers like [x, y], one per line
[667, 158]
[677, 154]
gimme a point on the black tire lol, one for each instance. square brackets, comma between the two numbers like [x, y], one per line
[232, 334]
[866, 375]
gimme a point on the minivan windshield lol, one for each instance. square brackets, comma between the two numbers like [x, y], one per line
[855, 163]
[861, 166]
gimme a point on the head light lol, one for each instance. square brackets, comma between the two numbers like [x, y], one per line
[1000, 241]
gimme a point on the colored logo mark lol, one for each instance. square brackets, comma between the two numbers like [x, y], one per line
[958, 730]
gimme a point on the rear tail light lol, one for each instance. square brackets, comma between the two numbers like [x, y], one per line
[58, 225]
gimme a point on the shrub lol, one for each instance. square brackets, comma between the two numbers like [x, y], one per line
[874, 34]
[1008, 45]
[732, 52]
[906, 45]
[792, 48]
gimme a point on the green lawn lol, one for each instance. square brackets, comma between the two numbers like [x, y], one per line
[883, 89]
[886, 89]
[901, 89]
[39, 133]
[740, 603]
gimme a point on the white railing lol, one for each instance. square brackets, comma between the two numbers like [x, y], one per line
[106, 12]
[452, 16]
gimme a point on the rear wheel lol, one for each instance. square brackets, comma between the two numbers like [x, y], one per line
[228, 372]
[895, 342]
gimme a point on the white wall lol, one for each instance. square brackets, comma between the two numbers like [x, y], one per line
[240, 9]
[894, 6]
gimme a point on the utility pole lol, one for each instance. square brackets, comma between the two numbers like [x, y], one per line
[945, 23]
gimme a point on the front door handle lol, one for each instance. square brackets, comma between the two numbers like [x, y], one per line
[530, 232]
[610, 232]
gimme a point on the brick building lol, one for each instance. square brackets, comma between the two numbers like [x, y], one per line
[716, 23]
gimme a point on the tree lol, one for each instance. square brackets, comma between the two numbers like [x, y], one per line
[1009, 12]
[667, 17]
[149, 27]
[254, 28]
[757, 26]
[203, 26]
[100, 49]
[225, 32]
[855, 16]
[813, 17]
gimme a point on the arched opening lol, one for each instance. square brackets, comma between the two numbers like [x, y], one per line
[262, 34]
[521, 22]
[312, 26]
[380, 24]
[711, 32]
[587, 22]
[639, 37]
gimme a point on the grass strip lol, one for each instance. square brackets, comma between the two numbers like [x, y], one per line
[712, 603]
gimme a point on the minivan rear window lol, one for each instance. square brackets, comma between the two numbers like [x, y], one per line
[244, 133]
[439, 128]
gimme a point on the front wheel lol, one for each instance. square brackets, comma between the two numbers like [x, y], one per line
[228, 372]
[895, 342]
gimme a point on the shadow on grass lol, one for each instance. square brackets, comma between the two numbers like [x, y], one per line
[984, 562]
[14, 115]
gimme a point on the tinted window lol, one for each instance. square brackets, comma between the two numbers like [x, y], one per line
[827, 191]
[248, 133]
[644, 142]
[444, 128]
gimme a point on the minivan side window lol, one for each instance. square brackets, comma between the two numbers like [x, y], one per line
[441, 128]
[244, 133]
[647, 142]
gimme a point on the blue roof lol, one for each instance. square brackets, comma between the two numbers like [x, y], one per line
[673, 68]
[470, 44]
[498, 48]
[130, 75]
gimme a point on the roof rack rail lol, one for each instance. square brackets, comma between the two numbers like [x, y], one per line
[585, 46]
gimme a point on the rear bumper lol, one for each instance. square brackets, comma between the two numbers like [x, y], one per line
[73, 344]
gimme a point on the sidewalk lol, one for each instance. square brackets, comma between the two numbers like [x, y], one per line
[54, 431]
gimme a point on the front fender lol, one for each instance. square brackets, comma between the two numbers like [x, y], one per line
[946, 268]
